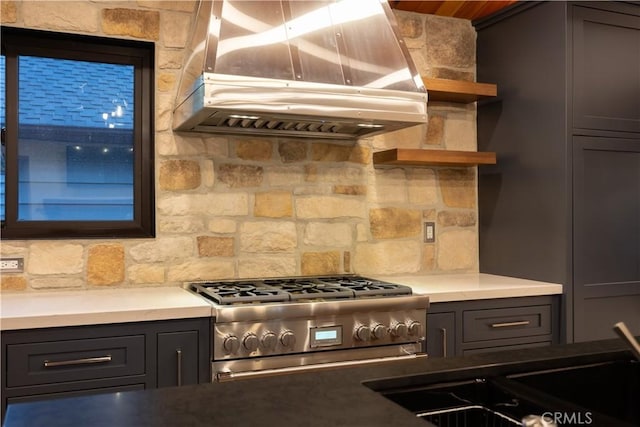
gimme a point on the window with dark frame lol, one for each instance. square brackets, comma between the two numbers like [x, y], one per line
[77, 136]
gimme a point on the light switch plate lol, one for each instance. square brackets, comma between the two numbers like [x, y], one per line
[429, 232]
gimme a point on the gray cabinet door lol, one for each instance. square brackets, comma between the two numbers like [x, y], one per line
[606, 235]
[177, 358]
[441, 329]
[606, 70]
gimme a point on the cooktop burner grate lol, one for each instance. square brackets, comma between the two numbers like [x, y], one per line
[297, 289]
[310, 288]
[372, 288]
[230, 293]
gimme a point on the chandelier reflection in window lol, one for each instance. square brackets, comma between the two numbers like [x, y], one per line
[116, 118]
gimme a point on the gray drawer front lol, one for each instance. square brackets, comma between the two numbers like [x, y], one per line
[500, 323]
[74, 360]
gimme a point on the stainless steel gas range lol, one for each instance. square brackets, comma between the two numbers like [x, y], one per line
[274, 326]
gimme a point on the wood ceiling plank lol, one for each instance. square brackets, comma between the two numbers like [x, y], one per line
[427, 6]
[492, 7]
[412, 6]
[467, 9]
[449, 8]
[470, 9]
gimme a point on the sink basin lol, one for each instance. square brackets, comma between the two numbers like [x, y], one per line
[471, 415]
[601, 394]
[611, 388]
[476, 402]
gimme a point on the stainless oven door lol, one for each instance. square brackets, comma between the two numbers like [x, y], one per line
[228, 370]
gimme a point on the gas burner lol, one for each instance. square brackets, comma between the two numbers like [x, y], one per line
[232, 287]
[287, 284]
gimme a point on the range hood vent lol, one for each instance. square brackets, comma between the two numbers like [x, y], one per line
[319, 69]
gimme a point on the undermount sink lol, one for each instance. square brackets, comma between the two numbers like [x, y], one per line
[476, 402]
[600, 394]
[611, 388]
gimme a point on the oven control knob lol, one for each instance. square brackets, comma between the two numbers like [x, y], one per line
[250, 342]
[379, 331]
[231, 344]
[363, 333]
[415, 328]
[399, 330]
[269, 340]
[288, 339]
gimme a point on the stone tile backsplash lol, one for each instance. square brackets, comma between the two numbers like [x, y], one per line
[231, 207]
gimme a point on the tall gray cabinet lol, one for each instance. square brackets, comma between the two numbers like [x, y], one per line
[562, 204]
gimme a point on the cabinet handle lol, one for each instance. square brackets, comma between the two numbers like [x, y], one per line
[179, 361]
[87, 361]
[509, 324]
[444, 341]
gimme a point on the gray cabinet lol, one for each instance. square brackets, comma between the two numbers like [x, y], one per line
[561, 204]
[606, 70]
[441, 332]
[469, 327]
[177, 358]
[72, 361]
[606, 234]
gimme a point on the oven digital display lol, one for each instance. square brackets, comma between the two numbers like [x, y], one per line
[326, 336]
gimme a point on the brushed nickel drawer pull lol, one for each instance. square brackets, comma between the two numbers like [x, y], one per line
[509, 324]
[87, 361]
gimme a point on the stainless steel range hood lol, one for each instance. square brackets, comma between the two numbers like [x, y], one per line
[302, 68]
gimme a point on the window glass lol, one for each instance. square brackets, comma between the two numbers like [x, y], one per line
[75, 140]
[77, 114]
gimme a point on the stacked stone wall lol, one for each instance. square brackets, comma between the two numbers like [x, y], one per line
[231, 207]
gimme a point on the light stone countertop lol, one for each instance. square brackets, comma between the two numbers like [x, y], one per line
[472, 286]
[28, 310]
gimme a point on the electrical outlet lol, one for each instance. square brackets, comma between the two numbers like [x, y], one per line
[429, 232]
[12, 265]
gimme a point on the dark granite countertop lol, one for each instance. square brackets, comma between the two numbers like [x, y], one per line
[318, 399]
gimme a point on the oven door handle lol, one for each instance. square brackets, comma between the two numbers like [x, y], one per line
[229, 375]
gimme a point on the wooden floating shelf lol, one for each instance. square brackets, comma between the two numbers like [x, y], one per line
[444, 90]
[418, 157]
